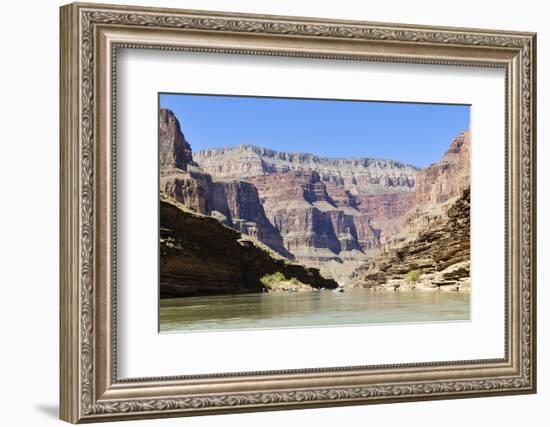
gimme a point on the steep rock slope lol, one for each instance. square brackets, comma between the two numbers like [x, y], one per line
[315, 229]
[438, 186]
[356, 182]
[439, 254]
[447, 178]
[386, 211]
[174, 150]
[234, 202]
[309, 220]
[199, 256]
[237, 204]
[334, 214]
[435, 236]
[323, 208]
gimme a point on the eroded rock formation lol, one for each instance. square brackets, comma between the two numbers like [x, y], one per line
[316, 229]
[436, 185]
[323, 208]
[233, 202]
[332, 214]
[174, 150]
[439, 255]
[201, 256]
[361, 174]
[447, 178]
[434, 241]
[237, 204]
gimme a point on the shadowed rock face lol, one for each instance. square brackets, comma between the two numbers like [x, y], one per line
[233, 202]
[321, 207]
[333, 214]
[200, 256]
[364, 184]
[312, 223]
[240, 207]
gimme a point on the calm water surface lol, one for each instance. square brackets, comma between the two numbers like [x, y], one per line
[305, 309]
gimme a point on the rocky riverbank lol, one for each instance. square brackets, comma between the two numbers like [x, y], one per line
[199, 256]
[437, 259]
[363, 222]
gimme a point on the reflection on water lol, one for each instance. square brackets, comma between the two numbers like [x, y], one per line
[302, 309]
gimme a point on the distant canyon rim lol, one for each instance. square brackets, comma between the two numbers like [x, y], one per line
[352, 219]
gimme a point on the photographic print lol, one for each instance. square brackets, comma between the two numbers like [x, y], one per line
[314, 199]
[285, 212]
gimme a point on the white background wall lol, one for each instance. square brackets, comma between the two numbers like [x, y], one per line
[29, 170]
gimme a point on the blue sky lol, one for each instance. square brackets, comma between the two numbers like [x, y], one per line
[418, 134]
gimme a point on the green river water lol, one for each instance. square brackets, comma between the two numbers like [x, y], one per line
[307, 309]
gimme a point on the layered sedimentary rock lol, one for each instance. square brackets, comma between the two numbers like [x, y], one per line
[174, 150]
[447, 178]
[180, 177]
[249, 160]
[386, 211]
[309, 219]
[201, 256]
[237, 204]
[191, 187]
[233, 202]
[334, 214]
[385, 205]
[438, 184]
[323, 208]
[439, 256]
[315, 228]
[434, 239]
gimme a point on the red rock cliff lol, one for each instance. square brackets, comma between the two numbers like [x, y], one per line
[233, 202]
[447, 178]
[333, 214]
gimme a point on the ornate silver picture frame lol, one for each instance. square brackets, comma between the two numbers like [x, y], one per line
[91, 37]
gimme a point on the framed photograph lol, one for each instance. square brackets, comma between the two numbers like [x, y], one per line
[267, 212]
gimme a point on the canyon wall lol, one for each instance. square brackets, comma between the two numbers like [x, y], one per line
[438, 187]
[315, 228]
[447, 178]
[233, 202]
[174, 150]
[199, 256]
[439, 256]
[343, 177]
[434, 240]
[332, 214]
